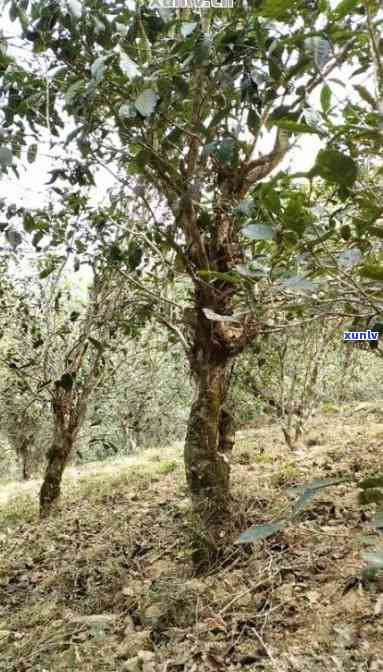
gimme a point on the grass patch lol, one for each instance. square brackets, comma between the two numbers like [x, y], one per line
[328, 407]
[265, 458]
[288, 474]
[18, 510]
[167, 467]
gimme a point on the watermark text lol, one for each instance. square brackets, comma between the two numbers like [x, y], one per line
[196, 4]
[361, 335]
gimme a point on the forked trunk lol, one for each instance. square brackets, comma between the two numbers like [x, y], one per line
[57, 458]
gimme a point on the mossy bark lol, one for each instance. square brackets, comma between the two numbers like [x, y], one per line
[209, 439]
[68, 412]
[207, 449]
[57, 459]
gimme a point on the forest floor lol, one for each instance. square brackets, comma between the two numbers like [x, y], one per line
[107, 584]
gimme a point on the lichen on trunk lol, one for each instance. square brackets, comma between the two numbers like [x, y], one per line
[57, 458]
[207, 462]
[209, 438]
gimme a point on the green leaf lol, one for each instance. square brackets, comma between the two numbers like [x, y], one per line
[320, 50]
[97, 344]
[115, 252]
[75, 8]
[325, 98]
[29, 223]
[378, 520]
[146, 102]
[253, 120]
[309, 491]
[209, 149]
[300, 504]
[215, 317]
[275, 9]
[318, 484]
[258, 232]
[252, 270]
[370, 496]
[365, 540]
[366, 95]
[245, 206]
[135, 254]
[349, 258]
[46, 272]
[98, 68]
[296, 127]
[345, 7]
[181, 85]
[371, 482]
[73, 91]
[378, 326]
[187, 28]
[336, 167]
[230, 276]
[32, 153]
[13, 237]
[13, 14]
[225, 150]
[202, 51]
[372, 271]
[374, 558]
[127, 111]
[36, 238]
[6, 156]
[129, 67]
[298, 283]
[260, 532]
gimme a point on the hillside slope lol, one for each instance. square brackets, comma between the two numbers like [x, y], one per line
[107, 585]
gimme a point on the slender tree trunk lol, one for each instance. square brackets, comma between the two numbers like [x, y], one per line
[26, 460]
[57, 457]
[68, 411]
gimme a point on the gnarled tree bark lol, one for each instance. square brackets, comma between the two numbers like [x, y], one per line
[69, 404]
[68, 412]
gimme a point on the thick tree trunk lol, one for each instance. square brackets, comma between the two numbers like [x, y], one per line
[57, 457]
[206, 446]
[209, 442]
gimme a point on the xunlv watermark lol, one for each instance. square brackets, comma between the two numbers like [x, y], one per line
[361, 335]
[195, 4]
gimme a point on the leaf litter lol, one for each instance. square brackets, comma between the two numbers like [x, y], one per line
[108, 583]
